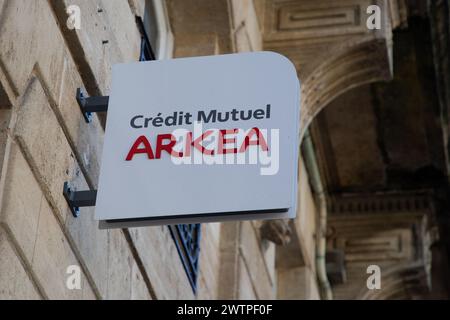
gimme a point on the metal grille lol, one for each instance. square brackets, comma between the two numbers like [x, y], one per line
[186, 236]
[187, 240]
[147, 53]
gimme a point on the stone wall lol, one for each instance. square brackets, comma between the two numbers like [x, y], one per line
[44, 141]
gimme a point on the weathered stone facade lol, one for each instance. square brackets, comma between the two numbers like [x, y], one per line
[44, 141]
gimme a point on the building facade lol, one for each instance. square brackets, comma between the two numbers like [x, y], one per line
[373, 175]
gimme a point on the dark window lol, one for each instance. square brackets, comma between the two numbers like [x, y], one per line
[147, 53]
[186, 236]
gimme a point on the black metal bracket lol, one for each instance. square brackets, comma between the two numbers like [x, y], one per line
[88, 105]
[77, 199]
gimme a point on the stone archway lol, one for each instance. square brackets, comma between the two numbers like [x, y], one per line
[333, 51]
[331, 46]
[200, 27]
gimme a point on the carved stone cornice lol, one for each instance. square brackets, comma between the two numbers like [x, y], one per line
[380, 203]
[306, 30]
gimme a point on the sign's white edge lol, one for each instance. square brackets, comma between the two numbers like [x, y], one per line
[190, 220]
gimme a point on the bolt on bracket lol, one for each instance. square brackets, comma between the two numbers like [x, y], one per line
[89, 105]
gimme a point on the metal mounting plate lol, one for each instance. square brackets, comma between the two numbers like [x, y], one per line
[77, 199]
[88, 105]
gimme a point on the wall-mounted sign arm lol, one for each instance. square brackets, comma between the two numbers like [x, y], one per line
[88, 105]
[78, 199]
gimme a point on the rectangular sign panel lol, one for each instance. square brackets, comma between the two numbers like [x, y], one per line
[200, 140]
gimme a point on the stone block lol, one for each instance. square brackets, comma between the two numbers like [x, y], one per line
[14, 280]
[138, 7]
[209, 260]
[192, 19]
[120, 262]
[205, 44]
[229, 260]
[305, 223]
[92, 245]
[203, 289]
[292, 283]
[253, 29]
[297, 283]
[240, 11]
[260, 9]
[5, 117]
[4, 99]
[41, 138]
[122, 26]
[85, 138]
[162, 263]
[242, 41]
[87, 293]
[139, 290]
[29, 35]
[269, 251]
[22, 213]
[21, 202]
[91, 44]
[248, 34]
[2, 3]
[258, 270]
[246, 291]
[108, 35]
[52, 256]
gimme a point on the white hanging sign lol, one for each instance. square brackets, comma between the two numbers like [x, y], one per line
[200, 140]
